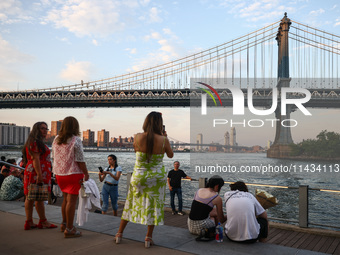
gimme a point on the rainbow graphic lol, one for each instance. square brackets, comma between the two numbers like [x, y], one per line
[209, 93]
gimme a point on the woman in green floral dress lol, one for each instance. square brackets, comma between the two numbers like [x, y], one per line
[145, 200]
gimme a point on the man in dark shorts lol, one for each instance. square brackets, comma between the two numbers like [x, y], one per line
[174, 181]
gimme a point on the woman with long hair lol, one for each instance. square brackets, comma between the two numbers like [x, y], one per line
[70, 169]
[145, 200]
[206, 208]
[110, 176]
[36, 158]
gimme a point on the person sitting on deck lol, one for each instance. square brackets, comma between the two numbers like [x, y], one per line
[12, 187]
[246, 218]
[4, 173]
[207, 208]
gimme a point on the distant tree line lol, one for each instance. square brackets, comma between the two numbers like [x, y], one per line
[326, 145]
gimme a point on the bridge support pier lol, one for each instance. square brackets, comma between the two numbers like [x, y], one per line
[283, 137]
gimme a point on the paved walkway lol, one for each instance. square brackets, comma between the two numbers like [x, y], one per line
[98, 238]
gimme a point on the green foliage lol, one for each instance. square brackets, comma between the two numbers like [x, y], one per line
[327, 145]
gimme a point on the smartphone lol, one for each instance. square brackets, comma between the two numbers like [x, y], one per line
[100, 169]
[163, 129]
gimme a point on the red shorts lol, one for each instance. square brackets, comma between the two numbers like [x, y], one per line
[70, 183]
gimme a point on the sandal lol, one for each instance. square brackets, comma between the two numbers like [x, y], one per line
[40, 224]
[148, 242]
[71, 233]
[29, 224]
[63, 226]
[118, 238]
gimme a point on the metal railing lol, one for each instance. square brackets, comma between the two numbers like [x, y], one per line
[9, 164]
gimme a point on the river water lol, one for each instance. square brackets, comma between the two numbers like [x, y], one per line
[324, 207]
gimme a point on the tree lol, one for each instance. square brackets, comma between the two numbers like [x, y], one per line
[327, 145]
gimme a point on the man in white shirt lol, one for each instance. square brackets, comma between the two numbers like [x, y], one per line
[246, 219]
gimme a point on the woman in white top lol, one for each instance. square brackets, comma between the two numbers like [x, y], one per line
[70, 170]
[110, 177]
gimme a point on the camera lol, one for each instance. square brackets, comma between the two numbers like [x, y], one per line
[100, 169]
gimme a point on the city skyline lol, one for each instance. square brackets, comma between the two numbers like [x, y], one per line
[136, 35]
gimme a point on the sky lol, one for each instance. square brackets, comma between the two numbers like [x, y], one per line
[51, 43]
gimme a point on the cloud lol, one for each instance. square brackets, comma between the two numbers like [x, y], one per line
[131, 51]
[154, 15]
[337, 22]
[77, 71]
[169, 49]
[87, 17]
[317, 12]
[11, 11]
[95, 42]
[99, 18]
[90, 114]
[11, 55]
[257, 10]
[10, 61]
[64, 39]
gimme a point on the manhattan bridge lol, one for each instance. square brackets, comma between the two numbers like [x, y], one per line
[286, 53]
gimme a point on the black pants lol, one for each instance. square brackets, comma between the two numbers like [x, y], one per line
[263, 231]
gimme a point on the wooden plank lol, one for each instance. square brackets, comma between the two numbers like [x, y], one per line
[292, 236]
[321, 242]
[337, 250]
[328, 242]
[307, 242]
[333, 245]
[295, 239]
[278, 236]
[274, 233]
[311, 242]
[301, 241]
[285, 235]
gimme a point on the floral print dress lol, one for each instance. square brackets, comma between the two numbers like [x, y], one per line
[30, 176]
[145, 200]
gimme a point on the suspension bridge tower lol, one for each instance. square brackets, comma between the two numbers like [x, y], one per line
[283, 136]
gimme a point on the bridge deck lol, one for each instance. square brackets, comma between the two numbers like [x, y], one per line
[280, 234]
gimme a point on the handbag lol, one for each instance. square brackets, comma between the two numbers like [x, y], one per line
[37, 192]
[82, 192]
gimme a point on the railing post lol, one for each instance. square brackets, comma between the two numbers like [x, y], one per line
[202, 182]
[303, 206]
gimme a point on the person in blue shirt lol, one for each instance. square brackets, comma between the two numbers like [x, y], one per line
[110, 176]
